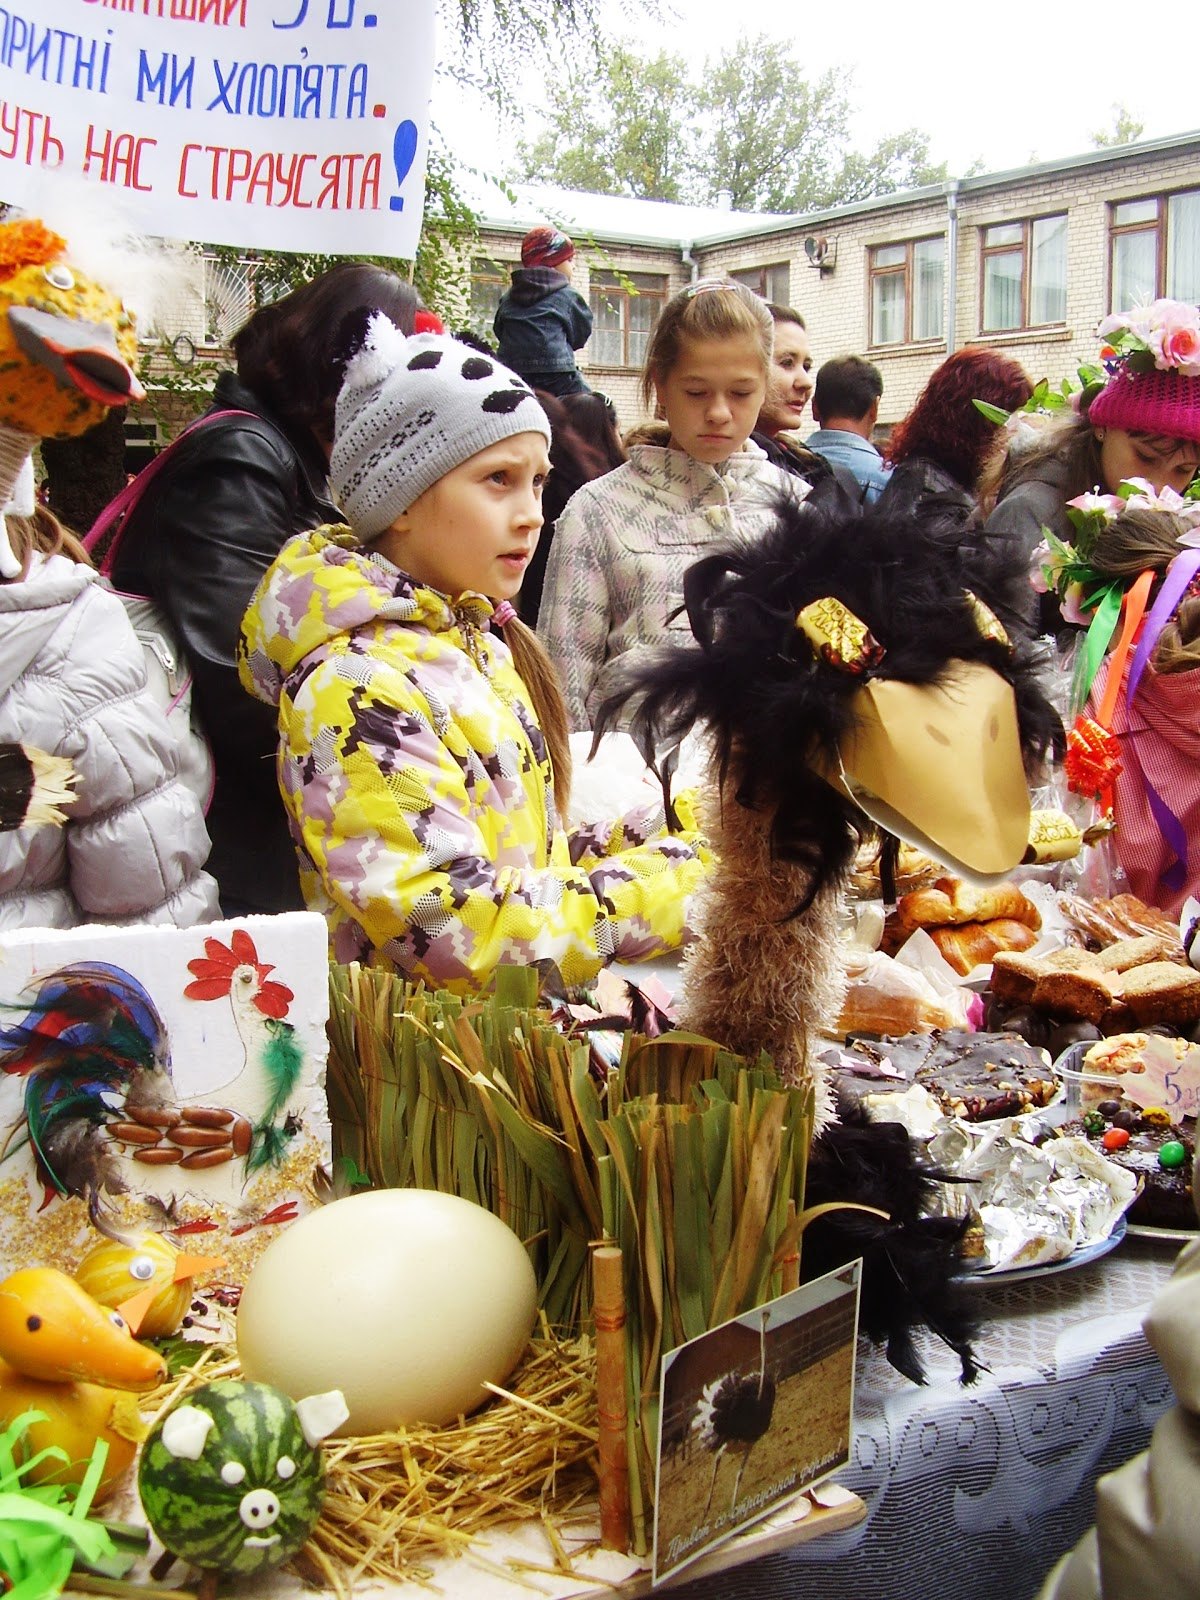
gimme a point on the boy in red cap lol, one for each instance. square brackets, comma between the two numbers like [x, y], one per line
[542, 321]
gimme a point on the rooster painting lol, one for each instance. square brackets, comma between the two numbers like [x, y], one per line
[100, 1104]
[260, 1005]
[91, 1042]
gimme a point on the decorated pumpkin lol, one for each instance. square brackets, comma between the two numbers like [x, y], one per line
[149, 1282]
[51, 1329]
[72, 1417]
[232, 1478]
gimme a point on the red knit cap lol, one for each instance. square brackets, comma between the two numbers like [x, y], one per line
[1149, 402]
[545, 247]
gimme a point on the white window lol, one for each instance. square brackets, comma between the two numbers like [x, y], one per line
[1154, 249]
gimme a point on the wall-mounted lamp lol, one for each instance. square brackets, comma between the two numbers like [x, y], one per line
[821, 252]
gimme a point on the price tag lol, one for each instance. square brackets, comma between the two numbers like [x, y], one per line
[1168, 1081]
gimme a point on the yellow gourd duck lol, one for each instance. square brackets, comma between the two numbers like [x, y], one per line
[64, 1354]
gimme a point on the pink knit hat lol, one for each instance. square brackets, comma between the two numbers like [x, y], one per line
[1149, 402]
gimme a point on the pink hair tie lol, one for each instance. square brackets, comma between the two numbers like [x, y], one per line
[502, 614]
[427, 322]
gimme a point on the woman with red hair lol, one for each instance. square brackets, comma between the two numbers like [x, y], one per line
[947, 451]
[947, 430]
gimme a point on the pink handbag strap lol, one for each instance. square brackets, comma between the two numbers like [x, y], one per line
[118, 508]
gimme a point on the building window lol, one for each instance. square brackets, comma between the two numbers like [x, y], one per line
[228, 297]
[489, 280]
[625, 307]
[907, 291]
[1154, 249]
[1024, 274]
[772, 283]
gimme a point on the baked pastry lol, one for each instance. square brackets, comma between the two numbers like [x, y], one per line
[1162, 992]
[967, 945]
[950, 902]
[1075, 991]
[1127, 953]
[1015, 976]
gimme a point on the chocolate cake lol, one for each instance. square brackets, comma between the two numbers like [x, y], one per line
[1165, 1199]
[976, 1076]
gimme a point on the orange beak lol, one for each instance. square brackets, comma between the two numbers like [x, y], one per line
[135, 1308]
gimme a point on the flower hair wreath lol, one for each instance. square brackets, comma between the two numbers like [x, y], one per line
[1161, 337]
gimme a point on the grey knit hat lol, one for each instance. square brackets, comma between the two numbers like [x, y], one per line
[409, 412]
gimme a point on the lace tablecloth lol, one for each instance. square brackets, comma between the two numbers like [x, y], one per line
[972, 1494]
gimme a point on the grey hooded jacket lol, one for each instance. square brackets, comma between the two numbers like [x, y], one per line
[73, 683]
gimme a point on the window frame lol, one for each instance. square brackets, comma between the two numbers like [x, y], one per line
[1162, 202]
[500, 275]
[1026, 225]
[743, 275]
[906, 269]
[619, 289]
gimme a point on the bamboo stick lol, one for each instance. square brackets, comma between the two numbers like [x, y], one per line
[608, 1310]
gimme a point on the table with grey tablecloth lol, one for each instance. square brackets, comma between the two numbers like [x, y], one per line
[973, 1493]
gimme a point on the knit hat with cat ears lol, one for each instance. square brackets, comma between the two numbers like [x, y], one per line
[410, 411]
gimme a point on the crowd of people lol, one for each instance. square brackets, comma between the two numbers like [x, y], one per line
[351, 532]
[404, 569]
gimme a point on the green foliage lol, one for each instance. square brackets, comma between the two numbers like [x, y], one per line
[753, 126]
[619, 130]
[1126, 129]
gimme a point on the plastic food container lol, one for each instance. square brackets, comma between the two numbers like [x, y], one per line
[1084, 1090]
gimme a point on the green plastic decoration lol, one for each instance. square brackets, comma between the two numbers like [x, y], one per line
[45, 1529]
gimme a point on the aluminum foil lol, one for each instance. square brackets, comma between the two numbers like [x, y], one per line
[1036, 1203]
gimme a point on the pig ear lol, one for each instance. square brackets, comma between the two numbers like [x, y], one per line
[320, 1414]
[185, 1431]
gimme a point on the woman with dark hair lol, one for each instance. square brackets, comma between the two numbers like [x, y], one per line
[585, 444]
[243, 482]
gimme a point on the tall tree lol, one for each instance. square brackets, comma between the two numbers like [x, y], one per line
[754, 127]
[769, 136]
[1126, 129]
[896, 163]
[622, 130]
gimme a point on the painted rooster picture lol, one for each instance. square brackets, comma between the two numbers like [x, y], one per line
[93, 1051]
[260, 1006]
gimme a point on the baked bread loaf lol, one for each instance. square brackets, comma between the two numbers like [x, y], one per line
[1162, 991]
[951, 902]
[967, 945]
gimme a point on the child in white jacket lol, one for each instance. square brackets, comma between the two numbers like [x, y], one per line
[73, 683]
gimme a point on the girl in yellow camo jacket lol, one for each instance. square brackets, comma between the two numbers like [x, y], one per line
[423, 749]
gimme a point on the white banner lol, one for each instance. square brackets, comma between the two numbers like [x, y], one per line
[281, 124]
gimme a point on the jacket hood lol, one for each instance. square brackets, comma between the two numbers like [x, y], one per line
[32, 608]
[531, 284]
[323, 586]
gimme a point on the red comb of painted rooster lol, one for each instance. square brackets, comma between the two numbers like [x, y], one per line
[215, 971]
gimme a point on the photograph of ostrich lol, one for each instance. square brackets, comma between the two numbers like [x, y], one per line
[751, 1413]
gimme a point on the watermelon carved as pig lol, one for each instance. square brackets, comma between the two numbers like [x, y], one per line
[232, 1478]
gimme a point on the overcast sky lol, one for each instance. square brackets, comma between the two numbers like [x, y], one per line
[1033, 83]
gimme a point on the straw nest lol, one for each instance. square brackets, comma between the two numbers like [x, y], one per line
[395, 1501]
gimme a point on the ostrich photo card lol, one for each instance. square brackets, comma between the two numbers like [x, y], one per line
[166, 1079]
[752, 1413]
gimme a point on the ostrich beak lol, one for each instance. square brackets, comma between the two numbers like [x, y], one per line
[79, 355]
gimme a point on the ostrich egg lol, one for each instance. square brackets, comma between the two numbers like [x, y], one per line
[407, 1300]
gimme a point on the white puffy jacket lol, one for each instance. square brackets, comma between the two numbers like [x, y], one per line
[73, 683]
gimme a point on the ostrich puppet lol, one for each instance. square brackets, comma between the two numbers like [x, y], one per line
[848, 662]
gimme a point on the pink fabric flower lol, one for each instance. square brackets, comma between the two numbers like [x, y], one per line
[1181, 340]
[1071, 606]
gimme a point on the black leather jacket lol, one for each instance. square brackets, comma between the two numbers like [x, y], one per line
[198, 542]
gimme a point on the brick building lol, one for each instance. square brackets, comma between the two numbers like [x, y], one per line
[1027, 260]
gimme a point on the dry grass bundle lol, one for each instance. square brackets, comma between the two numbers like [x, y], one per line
[688, 1157]
[395, 1500]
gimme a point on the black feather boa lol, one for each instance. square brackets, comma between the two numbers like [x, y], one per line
[910, 1261]
[776, 710]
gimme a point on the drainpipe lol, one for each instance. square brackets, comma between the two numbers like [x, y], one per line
[690, 261]
[951, 266]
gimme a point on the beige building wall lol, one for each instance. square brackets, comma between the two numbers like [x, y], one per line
[835, 302]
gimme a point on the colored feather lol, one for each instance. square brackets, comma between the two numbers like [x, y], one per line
[34, 787]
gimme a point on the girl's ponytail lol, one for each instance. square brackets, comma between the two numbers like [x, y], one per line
[539, 677]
